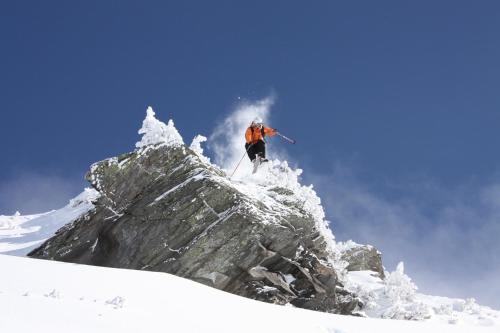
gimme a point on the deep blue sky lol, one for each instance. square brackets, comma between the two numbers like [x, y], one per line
[399, 90]
[403, 87]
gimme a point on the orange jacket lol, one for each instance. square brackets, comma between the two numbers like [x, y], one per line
[252, 135]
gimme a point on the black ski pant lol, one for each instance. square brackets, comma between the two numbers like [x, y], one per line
[258, 148]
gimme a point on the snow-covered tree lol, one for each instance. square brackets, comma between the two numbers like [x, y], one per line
[196, 147]
[156, 132]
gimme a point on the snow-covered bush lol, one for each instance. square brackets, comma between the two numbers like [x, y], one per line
[401, 292]
[156, 132]
[196, 147]
[399, 286]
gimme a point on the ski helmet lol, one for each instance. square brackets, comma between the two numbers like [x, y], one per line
[257, 121]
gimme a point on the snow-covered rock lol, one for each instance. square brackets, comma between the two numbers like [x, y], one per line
[166, 209]
[361, 257]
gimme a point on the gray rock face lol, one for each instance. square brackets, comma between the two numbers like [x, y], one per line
[364, 258]
[163, 209]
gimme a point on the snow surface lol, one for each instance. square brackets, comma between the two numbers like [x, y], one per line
[46, 296]
[156, 132]
[21, 234]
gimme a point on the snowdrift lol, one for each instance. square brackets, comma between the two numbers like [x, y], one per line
[42, 296]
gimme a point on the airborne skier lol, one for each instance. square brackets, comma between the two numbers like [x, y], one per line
[255, 144]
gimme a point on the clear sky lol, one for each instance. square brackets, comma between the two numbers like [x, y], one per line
[395, 105]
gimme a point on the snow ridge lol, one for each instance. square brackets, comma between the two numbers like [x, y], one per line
[21, 234]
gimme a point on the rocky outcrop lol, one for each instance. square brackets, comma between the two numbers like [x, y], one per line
[165, 209]
[364, 258]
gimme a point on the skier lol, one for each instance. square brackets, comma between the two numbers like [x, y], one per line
[255, 144]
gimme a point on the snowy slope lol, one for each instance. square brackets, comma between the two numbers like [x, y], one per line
[45, 296]
[20, 234]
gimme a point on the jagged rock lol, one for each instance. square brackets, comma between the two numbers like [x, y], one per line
[164, 209]
[364, 257]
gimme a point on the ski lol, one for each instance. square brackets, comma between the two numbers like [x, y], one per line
[256, 164]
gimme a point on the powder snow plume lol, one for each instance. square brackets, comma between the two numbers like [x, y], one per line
[227, 140]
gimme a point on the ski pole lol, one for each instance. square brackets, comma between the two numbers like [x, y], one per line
[246, 151]
[286, 138]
